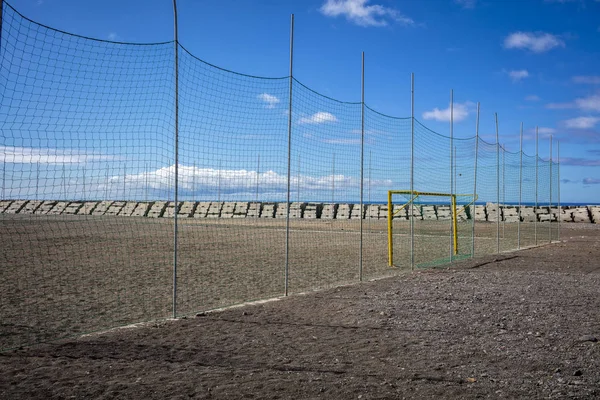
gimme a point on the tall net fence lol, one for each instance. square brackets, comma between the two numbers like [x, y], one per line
[113, 211]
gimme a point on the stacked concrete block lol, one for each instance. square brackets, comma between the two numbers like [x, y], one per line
[15, 207]
[58, 208]
[357, 212]
[417, 211]
[127, 209]
[296, 210]
[479, 213]
[241, 209]
[594, 212]
[544, 217]
[186, 209]
[170, 209]
[30, 207]
[115, 208]
[580, 214]
[428, 212]
[214, 211]
[383, 211]
[268, 210]
[4, 205]
[527, 214]
[494, 212]
[73, 208]
[228, 209]
[401, 211]
[329, 211]
[202, 209]
[566, 214]
[372, 211]
[554, 213]
[101, 207]
[510, 214]
[343, 211]
[443, 212]
[157, 209]
[141, 209]
[254, 210]
[87, 208]
[313, 210]
[463, 213]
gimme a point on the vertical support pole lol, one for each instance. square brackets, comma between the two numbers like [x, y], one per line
[550, 205]
[503, 189]
[83, 186]
[3, 179]
[454, 224]
[289, 161]
[219, 183]
[64, 182]
[124, 181]
[412, 171]
[475, 184]
[452, 227]
[37, 181]
[257, 180]
[362, 163]
[146, 181]
[497, 187]
[535, 210]
[389, 226]
[333, 180]
[520, 186]
[558, 187]
[175, 230]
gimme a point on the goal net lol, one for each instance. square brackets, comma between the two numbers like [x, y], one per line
[427, 228]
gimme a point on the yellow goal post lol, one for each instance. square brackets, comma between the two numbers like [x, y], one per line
[413, 195]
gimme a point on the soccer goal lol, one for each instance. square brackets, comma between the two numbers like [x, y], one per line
[435, 217]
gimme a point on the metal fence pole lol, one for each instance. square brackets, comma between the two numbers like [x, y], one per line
[497, 187]
[289, 162]
[362, 163]
[503, 190]
[257, 180]
[176, 45]
[550, 198]
[333, 179]
[558, 187]
[475, 184]
[536, 186]
[412, 171]
[520, 186]
[451, 171]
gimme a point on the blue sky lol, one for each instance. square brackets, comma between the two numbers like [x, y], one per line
[535, 62]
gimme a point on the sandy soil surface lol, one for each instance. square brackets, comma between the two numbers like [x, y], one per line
[516, 325]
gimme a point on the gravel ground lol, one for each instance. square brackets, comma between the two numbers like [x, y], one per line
[516, 325]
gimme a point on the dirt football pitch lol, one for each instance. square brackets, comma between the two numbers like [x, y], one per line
[517, 325]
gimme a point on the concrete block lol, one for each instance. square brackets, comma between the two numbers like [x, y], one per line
[201, 209]
[329, 211]
[312, 210]
[58, 208]
[214, 211]
[372, 211]
[254, 210]
[383, 211]
[87, 208]
[15, 207]
[102, 207]
[428, 212]
[357, 212]
[170, 209]
[566, 216]
[73, 208]
[296, 210]
[544, 217]
[400, 212]
[128, 208]
[268, 210]
[443, 212]
[114, 208]
[241, 209]
[141, 209]
[186, 209]
[511, 218]
[31, 206]
[343, 211]
[4, 205]
[157, 209]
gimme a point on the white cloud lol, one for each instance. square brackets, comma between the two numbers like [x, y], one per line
[546, 131]
[516, 76]
[590, 103]
[32, 155]
[591, 181]
[466, 3]
[360, 13]
[536, 42]
[318, 118]
[460, 112]
[581, 122]
[589, 80]
[532, 97]
[237, 181]
[270, 100]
